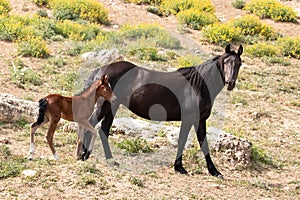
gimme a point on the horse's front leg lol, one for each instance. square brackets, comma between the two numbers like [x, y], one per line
[202, 139]
[89, 127]
[183, 135]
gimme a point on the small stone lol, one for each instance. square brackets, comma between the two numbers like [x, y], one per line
[29, 173]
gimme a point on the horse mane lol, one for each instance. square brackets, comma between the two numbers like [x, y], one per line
[193, 73]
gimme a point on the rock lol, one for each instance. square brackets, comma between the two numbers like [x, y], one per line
[29, 173]
[102, 57]
[233, 149]
[12, 109]
[237, 150]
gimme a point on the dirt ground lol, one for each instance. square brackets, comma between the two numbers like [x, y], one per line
[268, 120]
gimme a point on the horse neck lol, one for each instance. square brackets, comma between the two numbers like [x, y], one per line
[90, 93]
[213, 77]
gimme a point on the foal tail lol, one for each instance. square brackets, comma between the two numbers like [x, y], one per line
[42, 111]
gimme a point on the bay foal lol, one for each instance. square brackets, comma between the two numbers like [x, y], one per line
[76, 108]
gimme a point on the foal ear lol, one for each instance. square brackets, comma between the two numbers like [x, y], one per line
[227, 48]
[104, 78]
[240, 51]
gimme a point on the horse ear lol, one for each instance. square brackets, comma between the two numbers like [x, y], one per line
[240, 51]
[104, 78]
[227, 48]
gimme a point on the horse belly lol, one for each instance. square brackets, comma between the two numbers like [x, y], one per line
[155, 102]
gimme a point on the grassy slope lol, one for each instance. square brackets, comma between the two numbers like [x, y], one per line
[264, 109]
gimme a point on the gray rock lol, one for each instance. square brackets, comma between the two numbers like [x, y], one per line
[102, 57]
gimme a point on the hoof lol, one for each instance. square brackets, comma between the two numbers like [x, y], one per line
[85, 155]
[112, 162]
[180, 170]
[220, 176]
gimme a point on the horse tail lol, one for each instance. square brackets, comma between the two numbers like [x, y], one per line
[43, 103]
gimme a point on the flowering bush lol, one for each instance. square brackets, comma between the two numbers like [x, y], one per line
[290, 46]
[221, 33]
[262, 49]
[251, 25]
[175, 6]
[196, 19]
[90, 10]
[271, 9]
[33, 46]
[4, 7]
[76, 31]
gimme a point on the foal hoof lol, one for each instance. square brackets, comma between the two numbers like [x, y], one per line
[85, 155]
[180, 170]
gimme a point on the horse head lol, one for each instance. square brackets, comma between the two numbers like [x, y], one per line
[104, 88]
[231, 65]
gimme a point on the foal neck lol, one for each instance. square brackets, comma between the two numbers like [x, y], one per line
[90, 92]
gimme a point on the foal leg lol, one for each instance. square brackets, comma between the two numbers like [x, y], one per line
[202, 139]
[49, 137]
[183, 135]
[89, 127]
[33, 127]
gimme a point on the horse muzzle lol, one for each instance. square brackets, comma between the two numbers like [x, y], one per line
[230, 85]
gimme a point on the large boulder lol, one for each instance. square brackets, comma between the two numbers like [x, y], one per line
[13, 109]
[102, 57]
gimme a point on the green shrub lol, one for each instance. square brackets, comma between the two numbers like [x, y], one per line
[150, 32]
[271, 9]
[188, 60]
[42, 13]
[221, 34]
[290, 46]
[33, 46]
[252, 26]
[16, 27]
[4, 151]
[90, 10]
[262, 49]
[150, 54]
[22, 75]
[12, 166]
[151, 2]
[4, 7]
[41, 2]
[196, 19]
[175, 6]
[238, 4]
[136, 145]
[76, 31]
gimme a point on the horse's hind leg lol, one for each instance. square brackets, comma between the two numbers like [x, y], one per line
[49, 137]
[33, 127]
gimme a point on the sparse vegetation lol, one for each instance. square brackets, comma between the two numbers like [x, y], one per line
[262, 109]
[238, 4]
[136, 145]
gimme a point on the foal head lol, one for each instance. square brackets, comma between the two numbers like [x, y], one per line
[103, 88]
[231, 66]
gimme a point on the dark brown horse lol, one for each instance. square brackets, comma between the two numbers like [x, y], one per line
[186, 95]
[76, 108]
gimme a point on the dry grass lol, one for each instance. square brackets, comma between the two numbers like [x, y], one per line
[264, 108]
